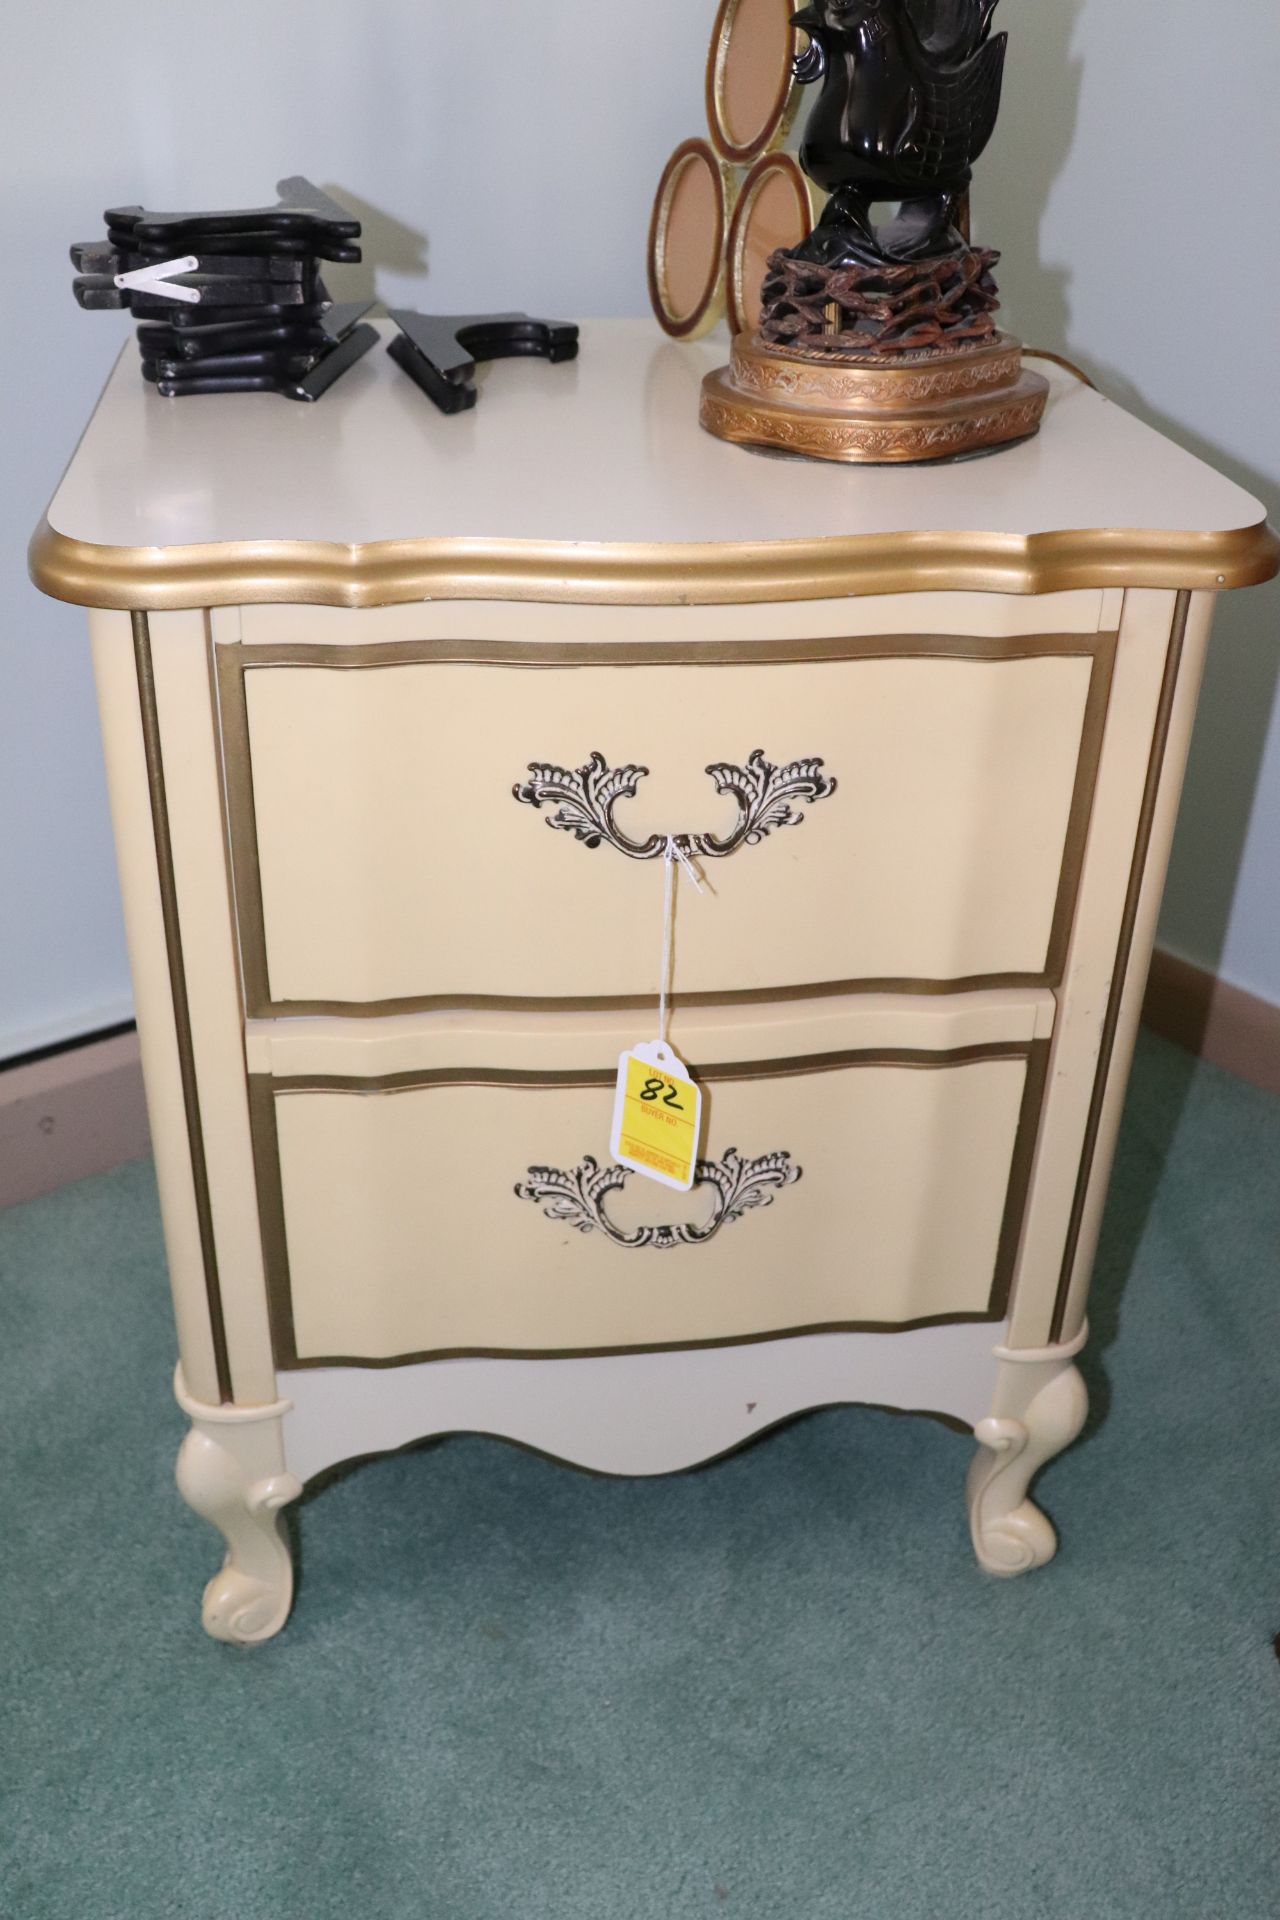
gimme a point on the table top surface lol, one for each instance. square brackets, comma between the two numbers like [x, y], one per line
[593, 481]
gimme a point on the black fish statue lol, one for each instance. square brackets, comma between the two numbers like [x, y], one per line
[879, 345]
[910, 95]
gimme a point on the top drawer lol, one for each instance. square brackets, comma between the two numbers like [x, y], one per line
[410, 829]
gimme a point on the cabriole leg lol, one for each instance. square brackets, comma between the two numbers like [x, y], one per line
[231, 1470]
[1040, 1406]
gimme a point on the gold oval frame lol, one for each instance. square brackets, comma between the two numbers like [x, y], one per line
[709, 307]
[765, 169]
[781, 114]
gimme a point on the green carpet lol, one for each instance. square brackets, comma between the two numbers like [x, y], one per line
[775, 1688]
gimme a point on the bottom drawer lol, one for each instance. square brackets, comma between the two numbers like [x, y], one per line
[458, 1205]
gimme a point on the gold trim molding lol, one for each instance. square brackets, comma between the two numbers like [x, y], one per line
[395, 572]
[167, 883]
[783, 1067]
[1124, 956]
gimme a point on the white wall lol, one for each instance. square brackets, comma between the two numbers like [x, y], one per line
[521, 174]
[518, 174]
[1131, 186]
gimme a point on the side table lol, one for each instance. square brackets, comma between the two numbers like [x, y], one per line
[401, 713]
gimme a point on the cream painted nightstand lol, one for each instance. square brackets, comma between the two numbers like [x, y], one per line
[399, 712]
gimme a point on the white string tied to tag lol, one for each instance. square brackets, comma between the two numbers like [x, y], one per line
[672, 852]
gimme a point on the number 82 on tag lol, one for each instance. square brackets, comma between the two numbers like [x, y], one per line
[657, 1116]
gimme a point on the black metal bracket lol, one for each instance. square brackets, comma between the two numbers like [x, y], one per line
[303, 215]
[439, 352]
[232, 302]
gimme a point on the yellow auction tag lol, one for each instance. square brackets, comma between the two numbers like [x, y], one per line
[657, 1115]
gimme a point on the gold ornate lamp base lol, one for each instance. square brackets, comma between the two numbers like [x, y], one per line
[878, 409]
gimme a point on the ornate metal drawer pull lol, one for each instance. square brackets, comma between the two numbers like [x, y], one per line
[578, 1196]
[585, 797]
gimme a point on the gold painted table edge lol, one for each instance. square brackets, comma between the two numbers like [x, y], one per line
[396, 572]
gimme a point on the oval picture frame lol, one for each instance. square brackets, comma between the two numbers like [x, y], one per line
[687, 238]
[748, 252]
[752, 93]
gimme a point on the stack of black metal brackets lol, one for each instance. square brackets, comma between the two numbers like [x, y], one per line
[232, 302]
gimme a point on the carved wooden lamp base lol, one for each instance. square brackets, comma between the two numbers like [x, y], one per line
[876, 408]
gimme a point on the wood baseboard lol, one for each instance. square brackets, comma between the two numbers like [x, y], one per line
[69, 1115]
[1207, 1016]
[82, 1111]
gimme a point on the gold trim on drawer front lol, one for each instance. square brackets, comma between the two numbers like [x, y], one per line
[237, 656]
[264, 1090]
[391, 572]
[230, 661]
[414, 1079]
